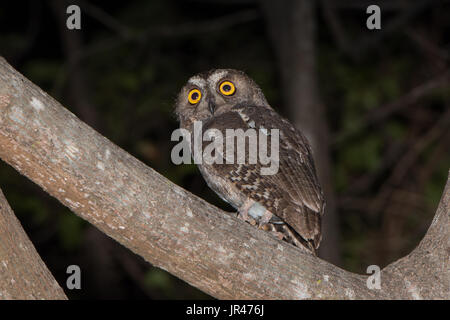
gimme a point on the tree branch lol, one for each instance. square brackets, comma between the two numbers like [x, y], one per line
[407, 160]
[166, 225]
[182, 30]
[368, 42]
[424, 273]
[378, 115]
[23, 275]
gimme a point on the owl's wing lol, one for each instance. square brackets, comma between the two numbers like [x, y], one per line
[293, 193]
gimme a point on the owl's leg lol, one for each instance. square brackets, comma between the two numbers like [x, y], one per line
[243, 212]
[263, 215]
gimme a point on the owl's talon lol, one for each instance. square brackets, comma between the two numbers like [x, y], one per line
[264, 227]
[265, 218]
[279, 235]
[268, 227]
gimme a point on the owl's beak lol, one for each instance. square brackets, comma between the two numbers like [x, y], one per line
[211, 105]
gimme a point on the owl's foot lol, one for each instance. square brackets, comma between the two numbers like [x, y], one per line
[271, 228]
[265, 218]
[254, 213]
[243, 210]
[278, 235]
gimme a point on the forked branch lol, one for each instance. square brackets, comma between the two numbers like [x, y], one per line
[172, 228]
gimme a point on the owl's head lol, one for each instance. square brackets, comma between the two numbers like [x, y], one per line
[212, 93]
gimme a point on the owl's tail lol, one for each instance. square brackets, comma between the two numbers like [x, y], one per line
[292, 237]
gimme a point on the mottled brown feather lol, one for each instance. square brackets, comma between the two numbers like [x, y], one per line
[295, 195]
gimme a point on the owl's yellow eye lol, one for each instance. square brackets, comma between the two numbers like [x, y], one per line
[227, 88]
[194, 96]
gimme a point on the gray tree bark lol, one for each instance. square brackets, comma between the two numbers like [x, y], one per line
[179, 232]
[23, 274]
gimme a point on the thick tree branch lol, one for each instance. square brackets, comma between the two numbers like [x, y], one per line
[425, 272]
[23, 275]
[166, 225]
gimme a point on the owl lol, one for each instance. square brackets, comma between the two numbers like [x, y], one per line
[287, 203]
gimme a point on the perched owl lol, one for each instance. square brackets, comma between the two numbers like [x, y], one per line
[289, 202]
